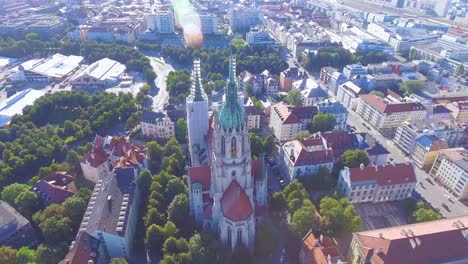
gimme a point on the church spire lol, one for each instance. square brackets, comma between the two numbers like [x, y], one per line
[197, 90]
[231, 115]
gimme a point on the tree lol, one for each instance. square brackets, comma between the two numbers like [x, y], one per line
[27, 203]
[265, 238]
[354, 158]
[205, 248]
[153, 216]
[178, 212]
[181, 130]
[25, 256]
[118, 261]
[7, 255]
[269, 145]
[74, 207]
[51, 254]
[424, 215]
[175, 186]
[411, 87]
[144, 182]
[303, 220]
[322, 122]
[73, 159]
[56, 228]
[154, 238]
[377, 93]
[294, 98]
[302, 135]
[155, 153]
[278, 202]
[175, 246]
[256, 144]
[12, 191]
[150, 76]
[460, 70]
[338, 216]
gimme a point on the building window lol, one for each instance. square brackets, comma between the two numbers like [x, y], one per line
[239, 237]
[234, 147]
[229, 239]
[223, 145]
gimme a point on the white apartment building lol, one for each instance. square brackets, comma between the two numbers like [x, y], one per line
[259, 36]
[386, 116]
[286, 121]
[243, 18]
[390, 182]
[354, 69]
[450, 168]
[95, 165]
[459, 111]
[348, 94]
[157, 125]
[161, 20]
[209, 24]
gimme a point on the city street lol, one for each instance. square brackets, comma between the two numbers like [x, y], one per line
[162, 70]
[432, 193]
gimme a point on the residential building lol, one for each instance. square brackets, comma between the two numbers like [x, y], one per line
[157, 125]
[304, 158]
[354, 70]
[415, 243]
[390, 182]
[161, 20]
[459, 111]
[46, 26]
[259, 36]
[15, 104]
[310, 92]
[255, 81]
[348, 94]
[107, 152]
[326, 74]
[243, 18]
[229, 206]
[288, 76]
[331, 106]
[15, 230]
[451, 170]
[378, 155]
[382, 81]
[425, 151]
[405, 38]
[286, 121]
[197, 119]
[271, 84]
[54, 68]
[440, 112]
[441, 7]
[55, 188]
[253, 117]
[385, 115]
[100, 74]
[320, 250]
[86, 249]
[336, 80]
[112, 212]
[209, 23]
[407, 132]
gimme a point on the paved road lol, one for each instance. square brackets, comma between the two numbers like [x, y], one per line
[162, 70]
[433, 193]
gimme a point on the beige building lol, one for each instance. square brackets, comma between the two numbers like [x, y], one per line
[157, 125]
[441, 241]
[386, 115]
[459, 111]
[390, 182]
[451, 169]
[286, 121]
[348, 94]
[426, 149]
[252, 117]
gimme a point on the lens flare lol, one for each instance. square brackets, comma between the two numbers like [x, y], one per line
[189, 20]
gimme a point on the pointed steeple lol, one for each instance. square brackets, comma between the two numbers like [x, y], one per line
[231, 114]
[197, 92]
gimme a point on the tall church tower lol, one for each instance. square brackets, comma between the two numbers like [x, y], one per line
[197, 119]
[231, 182]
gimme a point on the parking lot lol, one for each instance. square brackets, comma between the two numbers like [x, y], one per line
[381, 215]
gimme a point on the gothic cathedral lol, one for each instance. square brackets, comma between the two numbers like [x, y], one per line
[226, 187]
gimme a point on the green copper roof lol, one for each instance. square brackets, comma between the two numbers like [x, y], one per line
[231, 115]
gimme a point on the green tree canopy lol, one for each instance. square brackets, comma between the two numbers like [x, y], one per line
[303, 220]
[181, 130]
[377, 93]
[25, 256]
[354, 158]
[118, 261]
[411, 87]
[339, 216]
[7, 255]
[322, 122]
[302, 135]
[178, 212]
[294, 98]
[56, 228]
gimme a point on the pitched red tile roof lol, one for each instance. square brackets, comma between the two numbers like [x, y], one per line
[96, 157]
[305, 112]
[284, 113]
[119, 146]
[446, 100]
[82, 251]
[316, 252]
[384, 175]
[201, 175]
[385, 107]
[338, 140]
[235, 203]
[438, 241]
[313, 157]
[57, 187]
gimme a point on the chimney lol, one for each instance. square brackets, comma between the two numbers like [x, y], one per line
[376, 168]
[361, 166]
[393, 163]
[329, 259]
[291, 155]
[380, 235]
[316, 243]
[321, 239]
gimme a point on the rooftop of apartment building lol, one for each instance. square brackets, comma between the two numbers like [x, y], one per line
[389, 174]
[385, 106]
[458, 156]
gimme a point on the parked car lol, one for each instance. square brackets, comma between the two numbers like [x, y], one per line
[445, 206]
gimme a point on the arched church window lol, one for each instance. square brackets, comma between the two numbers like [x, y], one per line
[233, 147]
[223, 145]
[233, 173]
[229, 238]
[239, 237]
